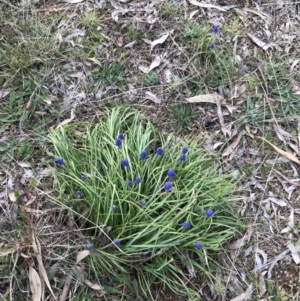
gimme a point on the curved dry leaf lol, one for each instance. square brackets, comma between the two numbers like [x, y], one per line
[294, 252]
[35, 284]
[37, 249]
[205, 5]
[4, 93]
[81, 255]
[234, 144]
[156, 62]
[295, 62]
[259, 42]
[242, 241]
[93, 286]
[279, 257]
[151, 96]
[282, 152]
[12, 196]
[246, 295]
[159, 41]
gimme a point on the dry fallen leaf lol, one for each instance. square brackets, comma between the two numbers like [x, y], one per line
[4, 93]
[291, 224]
[294, 251]
[12, 196]
[242, 241]
[35, 284]
[259, 42]
[159, 41]
[37, 250]
[282, 152]
[295, 62]
[155, 63]
[205, 5]
[246, 295]
[281, 133]
[234, 144]
[66, 121]
[211, 98]
[153, 97]
[81, 255]
[93, 286]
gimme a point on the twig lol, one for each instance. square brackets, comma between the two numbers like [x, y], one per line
[263, 78]
[291, 182]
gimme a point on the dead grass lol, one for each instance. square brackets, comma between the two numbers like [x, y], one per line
[60, 60]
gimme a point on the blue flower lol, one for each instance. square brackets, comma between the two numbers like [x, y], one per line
[159, 151]
[168, 186]
[143, 155]
[143, 202]
[212, 46]
[184, 150]
[182, 158]
[198, 245]
[118, 142]
[171, 173]
[60, 161]
[83, 177]
[89, 246]
[114, 207]
[121, 136]
[138, 180]
[117, 242]
[79, 194]
[216, 29]
[81, 238]
[209, 212]
[130, 184]
[185, 225]
[124, 163]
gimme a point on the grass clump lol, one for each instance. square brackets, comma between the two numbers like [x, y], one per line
[159, 206]
[109, 74]
[183, 116]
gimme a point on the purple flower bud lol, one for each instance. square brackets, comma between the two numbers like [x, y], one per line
[124, 163]
[138, 180]
[117, 242]
[130, 184]
[216, 29]
[114, 207]
[209, 212]
[168, 186]
[185, 225]
[121, 136]
[118, 142]
[143, 155]
[171, 173]
[79, 194]
[184, 150]
[143, 202]
[212, 46]
[60, 161]
[198, 245]
[182, 158]
[83, 177]
[159, 151]
[89, 246]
